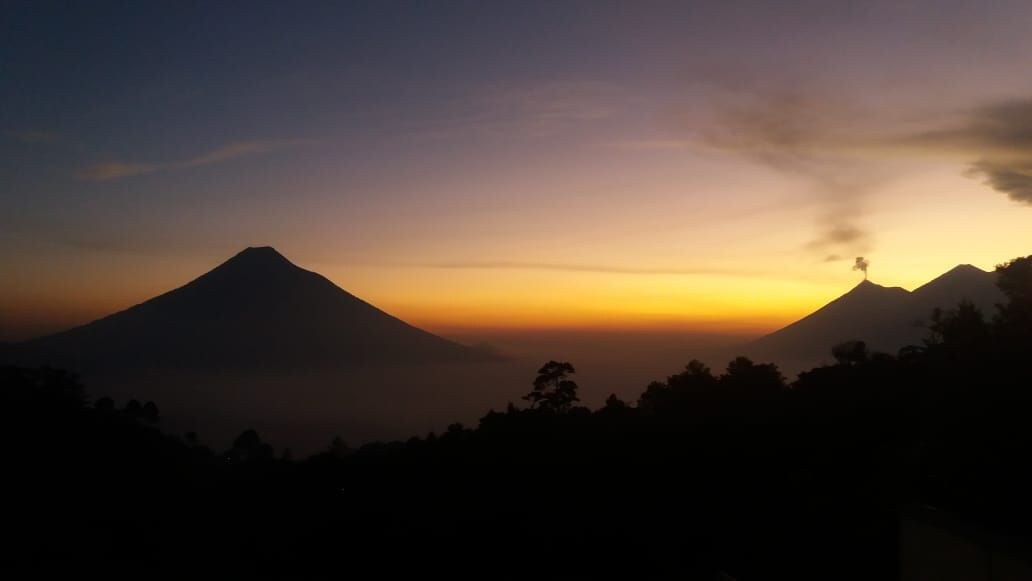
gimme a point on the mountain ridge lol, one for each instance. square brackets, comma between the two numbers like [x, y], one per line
[886, 318]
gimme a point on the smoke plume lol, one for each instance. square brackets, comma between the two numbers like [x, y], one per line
[861, 264]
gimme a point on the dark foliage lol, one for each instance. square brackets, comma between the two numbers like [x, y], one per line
[738, 474]
[553, 390]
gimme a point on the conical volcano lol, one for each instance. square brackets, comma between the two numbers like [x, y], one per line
[886, 318]
[868, 311]
[257, 310]
[963, 282]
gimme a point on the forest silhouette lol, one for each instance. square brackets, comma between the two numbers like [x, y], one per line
[710, 474]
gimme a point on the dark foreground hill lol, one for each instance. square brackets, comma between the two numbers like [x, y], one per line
[886, 318]
[255, 311]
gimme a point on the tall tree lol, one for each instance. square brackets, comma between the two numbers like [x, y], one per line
[553, 390]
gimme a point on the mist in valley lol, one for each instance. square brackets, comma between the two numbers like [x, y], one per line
[303, 410]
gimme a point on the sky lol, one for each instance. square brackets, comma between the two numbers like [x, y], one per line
[709, 167]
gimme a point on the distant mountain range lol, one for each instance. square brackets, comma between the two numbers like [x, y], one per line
[259, 342]
[255, 311]
[258, 311]
[886, 318]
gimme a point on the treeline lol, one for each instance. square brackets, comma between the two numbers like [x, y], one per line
[733, 473]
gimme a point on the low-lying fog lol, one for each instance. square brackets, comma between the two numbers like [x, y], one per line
[303, 411]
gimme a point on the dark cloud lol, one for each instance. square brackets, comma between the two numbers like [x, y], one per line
[999, 138]
[1003, 128]
[1012, 178]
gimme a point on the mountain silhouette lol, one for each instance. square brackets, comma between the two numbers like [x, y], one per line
[886, 318]
[962, 282]
[257, 310]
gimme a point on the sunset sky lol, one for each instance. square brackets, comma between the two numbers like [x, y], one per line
[700, 166]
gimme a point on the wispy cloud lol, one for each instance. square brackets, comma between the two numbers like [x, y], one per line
[652, 144]
[533, 110]
[811, 138]
[840, 235]
[33, 137]
[113, 170]
[555, 101]
[596, 268]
